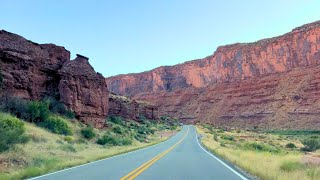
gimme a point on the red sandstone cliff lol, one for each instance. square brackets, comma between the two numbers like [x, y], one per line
[33, 71]
[84, 91]
[229, 63]
[272, 83]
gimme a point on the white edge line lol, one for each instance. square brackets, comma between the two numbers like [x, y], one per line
[102, 159]
[230, 168]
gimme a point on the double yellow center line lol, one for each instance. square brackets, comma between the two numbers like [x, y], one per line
[133, 174]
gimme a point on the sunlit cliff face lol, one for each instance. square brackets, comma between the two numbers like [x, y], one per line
[229, 63]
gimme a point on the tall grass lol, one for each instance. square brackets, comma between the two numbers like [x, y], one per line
[264, 164]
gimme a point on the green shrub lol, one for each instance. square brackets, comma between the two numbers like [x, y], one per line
[118, 130]
[111, 139]
[32, 111]
[291, 145]
[88, 132]
[57, 107]
[14, 106]
[141, 137]
[56, 125]
[227, 137]
[116, 120]
[37, 111]
[106, 139]
[144, 130]
[290, 166]
[12, 132]
[254, 146]
[69, 114]
[311, 144]
[125, 141]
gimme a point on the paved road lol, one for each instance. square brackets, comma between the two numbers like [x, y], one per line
[179, 158]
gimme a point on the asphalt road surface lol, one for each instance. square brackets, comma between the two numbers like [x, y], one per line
[179, 158]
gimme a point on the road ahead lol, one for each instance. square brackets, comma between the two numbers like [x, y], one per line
[179, 158]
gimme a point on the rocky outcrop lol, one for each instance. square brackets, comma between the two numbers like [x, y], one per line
[272, 83]
[30, 70]
[84, 91]
[131, 109]
[230, 63]
[33, 71]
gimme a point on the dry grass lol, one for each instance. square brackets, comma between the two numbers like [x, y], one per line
[285, 165]
[47, 152]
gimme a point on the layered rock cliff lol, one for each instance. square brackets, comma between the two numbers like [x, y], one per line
[33, 71]
[229, 63]
[271, 83]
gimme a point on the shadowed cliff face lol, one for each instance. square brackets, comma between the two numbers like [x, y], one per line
[229, 63]
[30, 70]
[272, 83]
[33, 71]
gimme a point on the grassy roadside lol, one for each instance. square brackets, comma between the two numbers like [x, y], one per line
[47, 152]
[264, 155]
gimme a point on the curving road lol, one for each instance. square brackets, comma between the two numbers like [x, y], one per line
[180, 157]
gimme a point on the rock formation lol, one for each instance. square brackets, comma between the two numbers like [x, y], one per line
[30, 70]
[84, 91]
[131, 109]
[271, 83]
[33, 71]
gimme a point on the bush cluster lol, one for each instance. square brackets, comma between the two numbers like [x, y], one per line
[59, 108]
[111, 139]
[116, 120]
[254, 146]
[227, 137]
[290, 145]
[12, 132]
[56, 125]
[31, 111]
[88, 132]
[311, 144]
[37, 112]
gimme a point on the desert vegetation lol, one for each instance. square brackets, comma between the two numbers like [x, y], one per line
[38, 137]
[278, 154]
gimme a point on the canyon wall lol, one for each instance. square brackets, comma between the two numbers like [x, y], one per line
[229, 63]
[272, 83]
[33, 71]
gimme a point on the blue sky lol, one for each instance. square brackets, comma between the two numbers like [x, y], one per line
[132, 36]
